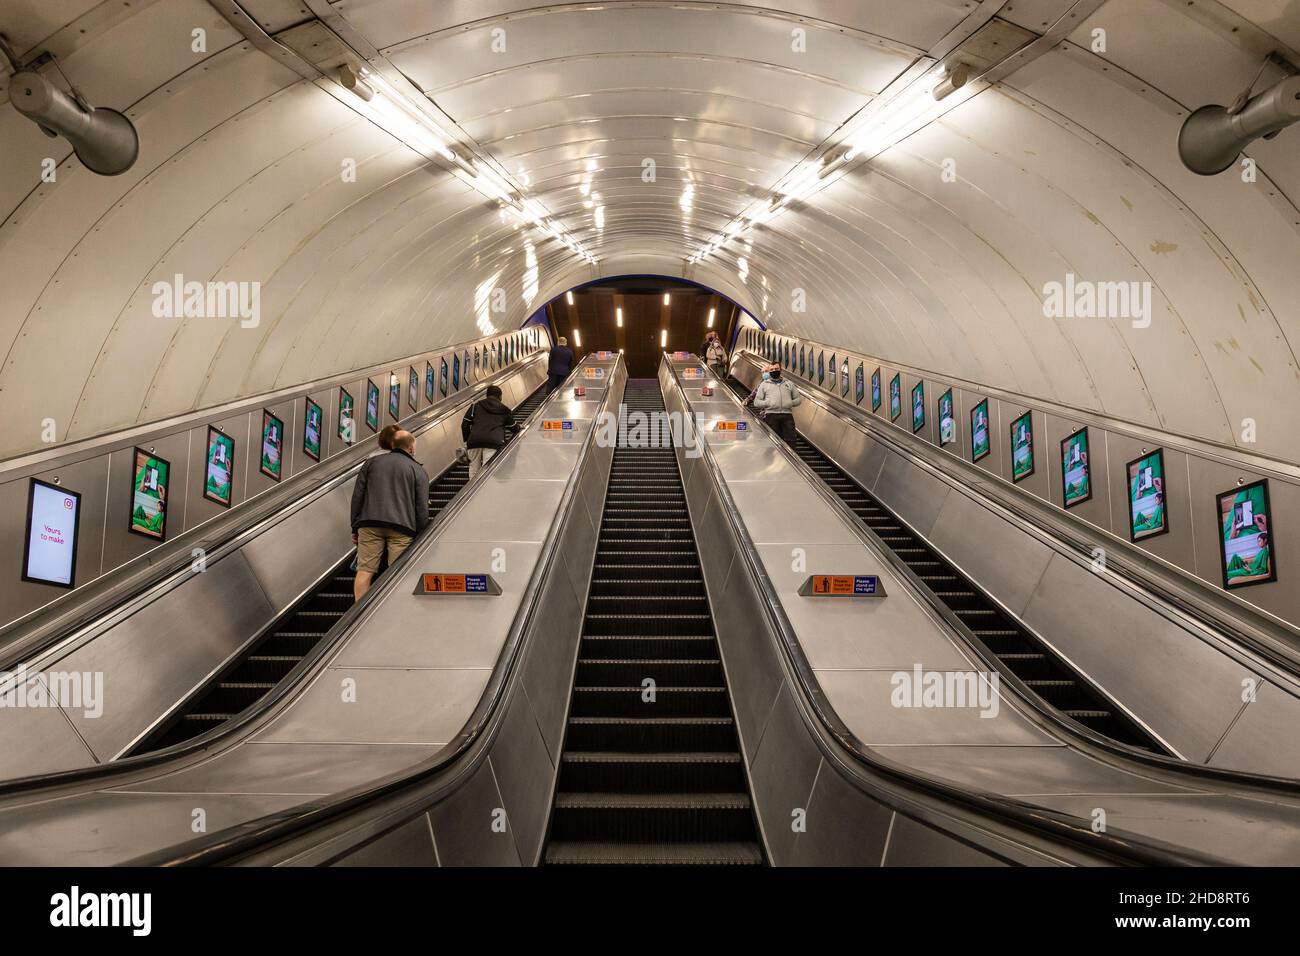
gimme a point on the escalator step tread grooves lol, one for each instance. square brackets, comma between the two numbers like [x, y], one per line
[657, 781]
[1019, 651]
[270, 660]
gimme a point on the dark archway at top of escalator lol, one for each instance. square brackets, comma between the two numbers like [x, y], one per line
[593, 312]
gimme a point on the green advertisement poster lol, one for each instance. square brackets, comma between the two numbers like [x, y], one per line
[149, 495]
[218, 485]
[1146, 496]
[1022, 447]
[1248, 553]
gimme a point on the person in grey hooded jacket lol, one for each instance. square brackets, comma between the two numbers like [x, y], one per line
[776, 400]
[390, 506]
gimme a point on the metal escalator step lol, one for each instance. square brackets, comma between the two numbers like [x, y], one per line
[650, 734]
[1087, 714]
[593, 853]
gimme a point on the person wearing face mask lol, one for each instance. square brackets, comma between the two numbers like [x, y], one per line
[776, 399]
[714, 354]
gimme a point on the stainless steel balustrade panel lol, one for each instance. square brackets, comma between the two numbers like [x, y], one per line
[163, 651]
[1186, 690]
[1005, 561]
[39, 740]
[290, 556]
[1263, 739]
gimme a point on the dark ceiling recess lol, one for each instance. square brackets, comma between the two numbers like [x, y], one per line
[593, 314]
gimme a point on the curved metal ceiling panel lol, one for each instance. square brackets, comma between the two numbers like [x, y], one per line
[643, 130]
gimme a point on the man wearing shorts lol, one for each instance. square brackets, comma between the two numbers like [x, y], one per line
[390, 505]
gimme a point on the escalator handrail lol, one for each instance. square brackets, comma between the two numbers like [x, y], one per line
[1274, 645]
[229, 845]
[124, 590]
[284, 688]
[1066, 828]
[1083, 736]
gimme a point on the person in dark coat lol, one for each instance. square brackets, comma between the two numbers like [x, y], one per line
[390, 506]
[559, 365]
[486, 427]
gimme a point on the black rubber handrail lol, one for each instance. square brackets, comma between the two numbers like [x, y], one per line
[287, 685]
[239, 841]
[1073, 831]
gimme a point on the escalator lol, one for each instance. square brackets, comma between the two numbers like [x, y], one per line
[651, 770]
[1017, 650]
[295, 633]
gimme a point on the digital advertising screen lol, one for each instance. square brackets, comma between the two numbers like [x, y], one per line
[895, 397]
[413, 389]
[803, 367]
[312, 423]
[372, 405]
[918, 407]
[272, 464]
[149, 495]
[1022, 447]
[979, 430]
[785, 355]
[429, 387]
[1076, 477]
[844, 379]
[947, 423]
[347, 419]
[394, 397]
[464, 365]
[50, 552]
[1146, 496]
[1248, 555]
[442, 377]
[477, 364]
[218, 478]
[875, 390]
[831, 368]
[860, 386]
[821, 367]
[455, 373]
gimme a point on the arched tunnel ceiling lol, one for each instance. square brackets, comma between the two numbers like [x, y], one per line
[935, 253]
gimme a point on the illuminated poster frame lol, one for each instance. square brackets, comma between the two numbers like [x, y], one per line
[875, 390]
[276, 471]
[413, 388]
[1256, 493]
[372, 405]
[1071, 444]
[312, 451]
[918, 406]
[1017, 474]
[860, 384]
[430, 386]
[895, 396]
[442, 377]
[947, 419]
[75, 496]
[1147, 473]
[217, 437]
[347, 416]
[976, 454]
[141, 460]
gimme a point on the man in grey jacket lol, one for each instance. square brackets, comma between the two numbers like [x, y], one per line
[390, 506]
[776, 400]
